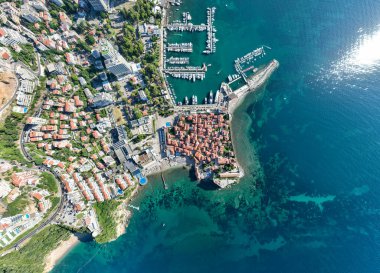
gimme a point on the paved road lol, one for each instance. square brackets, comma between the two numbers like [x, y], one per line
[50, 218]
[62, 200]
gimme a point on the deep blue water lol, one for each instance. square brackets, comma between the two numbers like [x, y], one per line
[310, 143]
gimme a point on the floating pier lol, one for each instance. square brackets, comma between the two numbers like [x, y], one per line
[191, 73]
[180, 47]
[186, 17]
[179, 26]
[178, 60]
[211, 30]
[175, 2]
[247, 58]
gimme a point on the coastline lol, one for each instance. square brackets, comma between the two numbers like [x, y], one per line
[58, 253]
[66, 246]
[124, 214]
[258, 81]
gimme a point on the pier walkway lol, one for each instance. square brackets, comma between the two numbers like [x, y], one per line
[253, 83]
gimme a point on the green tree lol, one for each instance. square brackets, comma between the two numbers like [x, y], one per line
[90, 40]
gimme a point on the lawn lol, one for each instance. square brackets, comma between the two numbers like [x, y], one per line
[17, 206]
[119, 118]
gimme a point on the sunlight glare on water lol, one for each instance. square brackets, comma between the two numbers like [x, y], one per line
[368, 50]
[363, 57]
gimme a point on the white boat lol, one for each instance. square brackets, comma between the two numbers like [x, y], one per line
[210, 98]
[216, 96]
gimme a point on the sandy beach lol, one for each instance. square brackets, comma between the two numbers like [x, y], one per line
[58, 253]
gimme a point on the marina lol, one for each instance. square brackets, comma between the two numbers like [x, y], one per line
[188, 72]
[226, 99]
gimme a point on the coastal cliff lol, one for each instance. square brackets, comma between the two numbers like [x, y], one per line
[113, 217]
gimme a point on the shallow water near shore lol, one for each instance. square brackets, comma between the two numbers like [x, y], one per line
[309, 143]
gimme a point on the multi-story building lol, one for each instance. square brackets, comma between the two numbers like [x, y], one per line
[10, 37]
[29, 14]
[99, 5]
[114, 62]
[102, 100]
[57, 2]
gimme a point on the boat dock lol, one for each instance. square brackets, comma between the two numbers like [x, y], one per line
[226, 99]
[180, 47]
[211, 39]
[186, 25]
[188, 72]
[175, 2]
[164, 181]
[178, 60]
[169, 90]
[191, 76]
[179, 26]
[186, 17]
[246, 59]
[255, 80]
[233, 78]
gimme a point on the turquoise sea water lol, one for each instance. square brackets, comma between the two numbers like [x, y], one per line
[309, 141]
